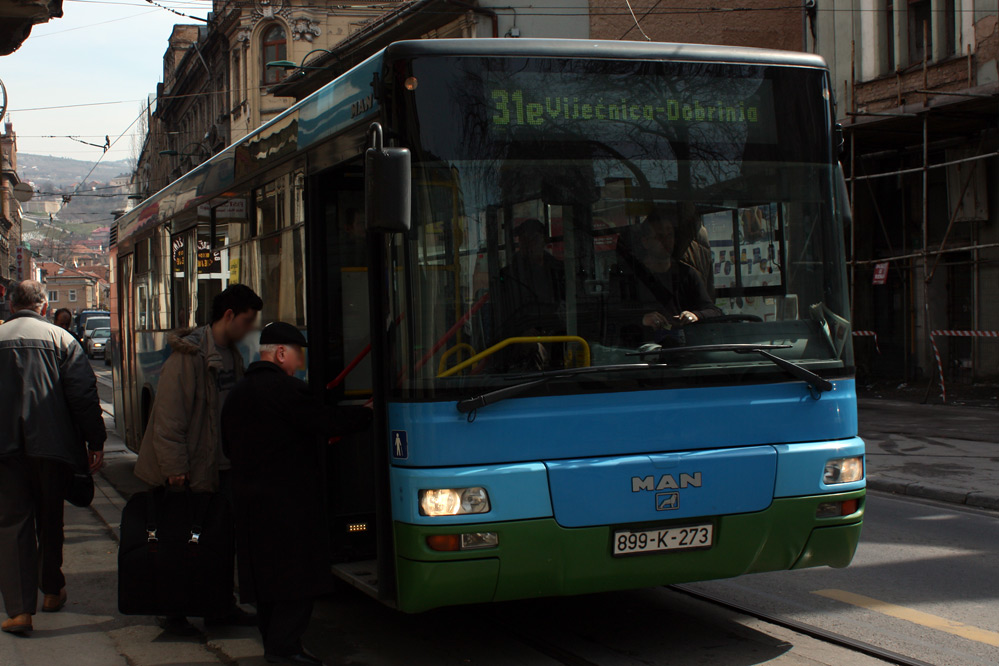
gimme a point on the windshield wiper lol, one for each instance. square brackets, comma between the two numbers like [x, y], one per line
[468, 405]
[816, 382]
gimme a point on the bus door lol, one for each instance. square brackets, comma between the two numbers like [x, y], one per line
[340, 360]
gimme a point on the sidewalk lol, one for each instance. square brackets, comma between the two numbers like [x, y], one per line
[89, 631]
[940, 452]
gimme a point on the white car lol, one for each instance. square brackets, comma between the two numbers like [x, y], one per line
[97, 342]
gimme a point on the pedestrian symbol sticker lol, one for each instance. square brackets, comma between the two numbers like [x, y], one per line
[400, 445]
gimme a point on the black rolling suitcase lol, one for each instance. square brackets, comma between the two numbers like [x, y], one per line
[176, 554]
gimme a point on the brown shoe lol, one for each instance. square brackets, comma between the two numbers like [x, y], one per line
[19, 624]
[54, 602]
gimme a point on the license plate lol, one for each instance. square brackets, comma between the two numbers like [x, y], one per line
[627, 542]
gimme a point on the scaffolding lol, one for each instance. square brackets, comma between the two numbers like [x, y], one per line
[954, 116]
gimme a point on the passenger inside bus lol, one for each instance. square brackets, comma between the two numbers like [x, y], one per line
[533, 284]
[533, 294]
[661, 292]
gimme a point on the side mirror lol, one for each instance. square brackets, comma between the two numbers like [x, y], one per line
[843, 198]
[387, 186]
[839, 139]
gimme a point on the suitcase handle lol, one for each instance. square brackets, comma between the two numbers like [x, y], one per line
[197, 520]
[151, 519]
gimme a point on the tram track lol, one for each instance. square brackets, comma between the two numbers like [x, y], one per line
[559, 652]
[818, 633]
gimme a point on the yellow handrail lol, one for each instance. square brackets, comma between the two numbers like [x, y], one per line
[526, 340]
[458, 347]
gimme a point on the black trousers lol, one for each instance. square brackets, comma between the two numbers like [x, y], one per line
[282, 625]
[32, 492]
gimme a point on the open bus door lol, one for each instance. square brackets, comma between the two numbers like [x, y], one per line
[341, 366]
[347, 299]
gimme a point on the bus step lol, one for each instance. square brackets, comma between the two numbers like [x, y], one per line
[362, 574]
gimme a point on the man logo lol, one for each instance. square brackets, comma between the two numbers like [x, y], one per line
[667, 501]
[666, 482]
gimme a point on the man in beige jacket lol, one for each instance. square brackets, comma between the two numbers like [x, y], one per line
[182, 442]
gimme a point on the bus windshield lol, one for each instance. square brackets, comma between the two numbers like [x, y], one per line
[572, 213]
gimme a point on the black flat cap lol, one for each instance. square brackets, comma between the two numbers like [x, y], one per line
[281, 333]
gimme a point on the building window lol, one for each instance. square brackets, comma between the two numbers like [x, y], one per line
[275, 48]
[234, 79]
[53, 296]
[950, 46]
[72, 295]
[919, 14]
[889, 41]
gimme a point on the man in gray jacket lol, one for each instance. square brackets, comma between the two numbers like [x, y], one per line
[50, 425]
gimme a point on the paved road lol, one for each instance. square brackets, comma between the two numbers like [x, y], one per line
[915, 558]
[923, 584]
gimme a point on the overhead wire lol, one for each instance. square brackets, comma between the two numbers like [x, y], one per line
[92, 25]
[109, 145]
[637, 24]
[630, 28]
[174, 11]
[592, 10]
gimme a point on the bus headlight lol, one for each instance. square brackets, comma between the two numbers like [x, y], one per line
[843, 470]
[453, 501]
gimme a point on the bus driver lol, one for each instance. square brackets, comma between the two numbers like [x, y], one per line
[668, 292]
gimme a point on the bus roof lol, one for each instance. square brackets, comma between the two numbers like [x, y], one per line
[596, 48]
[346, 101]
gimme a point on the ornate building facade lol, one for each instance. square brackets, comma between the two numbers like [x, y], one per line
[10, 208]
[216, 84]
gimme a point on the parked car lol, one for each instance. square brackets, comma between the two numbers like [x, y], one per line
[94, 323]
[80, 326]
[97, 342]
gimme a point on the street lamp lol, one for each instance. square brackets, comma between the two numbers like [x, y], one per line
[288, 64]
[176, 153]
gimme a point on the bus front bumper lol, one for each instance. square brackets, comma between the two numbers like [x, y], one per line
[539, 558]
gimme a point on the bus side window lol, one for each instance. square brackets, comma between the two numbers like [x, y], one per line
[353, 264]
[142, 284]
[183, 253]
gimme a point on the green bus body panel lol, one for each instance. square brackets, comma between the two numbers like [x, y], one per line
[539, 558]
[829, 546]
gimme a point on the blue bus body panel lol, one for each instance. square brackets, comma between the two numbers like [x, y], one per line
[800, 467]
[628, 489]
[624, 423]
[339, 104]
[516, 492]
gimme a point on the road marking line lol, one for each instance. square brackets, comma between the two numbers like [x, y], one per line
[916, 617]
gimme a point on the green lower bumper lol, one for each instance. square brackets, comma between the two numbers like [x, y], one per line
[539, 558]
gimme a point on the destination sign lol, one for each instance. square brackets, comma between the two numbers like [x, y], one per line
[720, 107]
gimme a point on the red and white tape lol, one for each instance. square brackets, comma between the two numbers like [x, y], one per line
[966, 334]
[953, 334]
[868, 334]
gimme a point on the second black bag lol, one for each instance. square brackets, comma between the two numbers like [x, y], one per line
[176, 554]
[81, 490]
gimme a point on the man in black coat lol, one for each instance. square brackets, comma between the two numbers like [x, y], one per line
[273, 431]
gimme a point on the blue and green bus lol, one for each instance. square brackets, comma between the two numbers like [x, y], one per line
[594, 291]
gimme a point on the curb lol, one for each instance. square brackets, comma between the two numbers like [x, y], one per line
[107, 505]
[975, 498]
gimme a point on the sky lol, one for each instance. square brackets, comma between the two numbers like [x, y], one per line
[99, 51]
